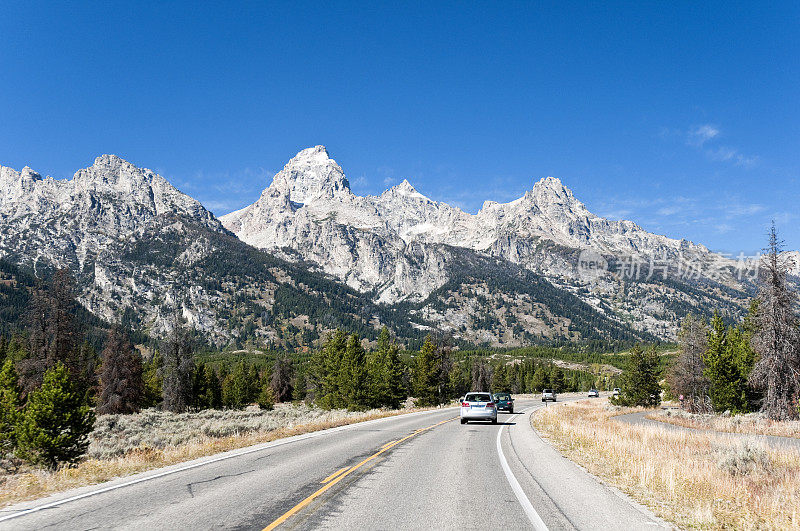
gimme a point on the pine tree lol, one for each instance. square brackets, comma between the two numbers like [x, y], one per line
[353, 375]
[178, 367]
[300, 387]
[327, 365]
[211, 394]
[776, 338]
[540, 379]
[153, 380]
[241, 387]
[386, 374]
[56, 421]
[728, 362]
[558, 381]
[266, 397]
[121, 384]
[640, 380]
[500, 378]
[9, 413]
[425, 374]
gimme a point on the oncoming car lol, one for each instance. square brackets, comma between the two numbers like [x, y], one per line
[478, 406]
[594, 393]
[549, 394]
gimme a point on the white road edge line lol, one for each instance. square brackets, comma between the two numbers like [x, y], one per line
[260, 447]
[536, 520]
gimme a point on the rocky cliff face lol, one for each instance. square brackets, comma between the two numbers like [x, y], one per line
[64, 222]
[391, 244]
[539, 268]
[143, 250]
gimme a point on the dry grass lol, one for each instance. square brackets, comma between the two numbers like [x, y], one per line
[693, 479]
[751, 423]
[122, 445]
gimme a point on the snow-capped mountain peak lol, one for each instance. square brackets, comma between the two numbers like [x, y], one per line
[311, 175]
[406, 189]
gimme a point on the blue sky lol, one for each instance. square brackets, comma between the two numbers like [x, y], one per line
[682, 116]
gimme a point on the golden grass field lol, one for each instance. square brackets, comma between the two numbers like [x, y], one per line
[751, 423]
[127, 444]
[692, 479]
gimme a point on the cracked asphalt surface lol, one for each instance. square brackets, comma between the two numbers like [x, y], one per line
[448, 477]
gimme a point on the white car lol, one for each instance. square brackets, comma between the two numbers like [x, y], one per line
[615, 392]
[478, 406]
[594, 393]
[549, 394]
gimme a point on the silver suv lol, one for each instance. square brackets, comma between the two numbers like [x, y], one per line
[549, 394]
[478, 406]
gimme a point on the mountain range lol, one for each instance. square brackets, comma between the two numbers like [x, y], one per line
[310, 255]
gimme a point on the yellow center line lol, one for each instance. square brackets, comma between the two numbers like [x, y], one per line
[327, 479]
[338, 476]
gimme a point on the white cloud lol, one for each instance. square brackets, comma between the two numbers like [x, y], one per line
[723, 228]
[701, 134]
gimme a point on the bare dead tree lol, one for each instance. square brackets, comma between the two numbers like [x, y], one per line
[281, 379]
[178, 367]
[37, 316]
[121, 383]
[687, 376]
[776, 338]
[481, 376]
[62, 325]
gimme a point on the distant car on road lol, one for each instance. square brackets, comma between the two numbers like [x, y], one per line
[615, 392]
[594, 393]
[478, 406]
[504, 402]
[549, 394]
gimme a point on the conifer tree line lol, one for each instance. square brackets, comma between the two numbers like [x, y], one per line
[749, 366]
[342, 375]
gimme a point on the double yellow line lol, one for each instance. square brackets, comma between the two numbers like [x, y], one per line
[340, 474]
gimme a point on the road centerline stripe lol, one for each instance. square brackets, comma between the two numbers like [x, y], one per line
[334, 475]
[386, 447]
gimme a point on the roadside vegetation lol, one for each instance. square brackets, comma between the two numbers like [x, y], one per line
[753, 365]
[693, 479]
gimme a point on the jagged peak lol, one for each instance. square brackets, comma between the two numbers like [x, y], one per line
[312, 154]
[553, 184]
[406, 186]
[309, 175]
[109, 160]
[28, 172]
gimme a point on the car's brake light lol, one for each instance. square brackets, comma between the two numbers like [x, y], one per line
[490, 404]
[464, 404]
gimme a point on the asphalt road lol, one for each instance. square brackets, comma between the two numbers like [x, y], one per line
[777, 442]
[417, 471]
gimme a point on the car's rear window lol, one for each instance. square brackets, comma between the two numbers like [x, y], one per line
[547, 391]
[501, 396]
[478, 398]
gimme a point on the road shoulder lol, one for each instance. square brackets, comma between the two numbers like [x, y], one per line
[565, 494]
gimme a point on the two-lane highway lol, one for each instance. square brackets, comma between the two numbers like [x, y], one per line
[417, 471]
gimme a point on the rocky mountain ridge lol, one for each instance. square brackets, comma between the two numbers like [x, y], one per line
[390, 244]
[512, 274]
